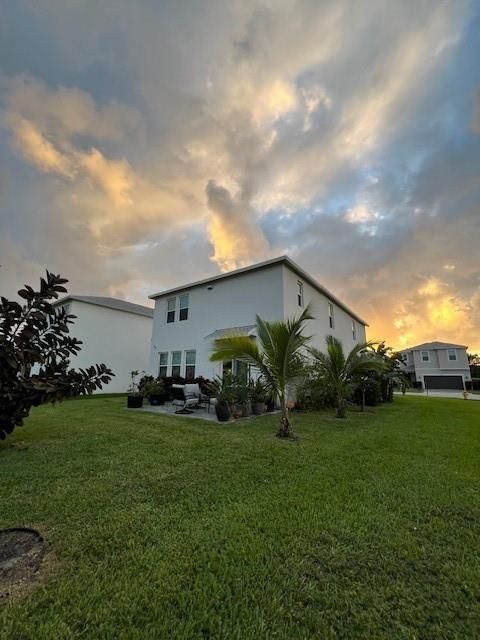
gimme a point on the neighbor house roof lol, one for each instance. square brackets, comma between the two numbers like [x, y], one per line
[110, 303]
[293, 266]
[232, 331]
[426, 346]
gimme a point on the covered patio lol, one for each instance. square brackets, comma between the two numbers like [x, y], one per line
[200, 413]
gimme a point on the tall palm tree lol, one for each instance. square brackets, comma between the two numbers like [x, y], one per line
[279, 355]
[340, 371]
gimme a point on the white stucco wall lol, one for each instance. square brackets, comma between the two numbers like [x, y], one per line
[119, 339]
[228, 303]
[319, 328]
[270, 292]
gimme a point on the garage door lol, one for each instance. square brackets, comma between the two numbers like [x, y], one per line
[443, 382]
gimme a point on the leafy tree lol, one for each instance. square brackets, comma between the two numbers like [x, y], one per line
[34, 354]
[341, 372]
[279, 356]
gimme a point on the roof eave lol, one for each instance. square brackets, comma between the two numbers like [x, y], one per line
[73, 298]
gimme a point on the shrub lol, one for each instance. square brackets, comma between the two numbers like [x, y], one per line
[155, 388]
[258, 391]
[314, 394]
[35, 348]
[373, 393]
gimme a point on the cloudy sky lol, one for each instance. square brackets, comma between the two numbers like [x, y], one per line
[145, 144]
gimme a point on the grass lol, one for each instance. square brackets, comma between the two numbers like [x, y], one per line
[162, 527]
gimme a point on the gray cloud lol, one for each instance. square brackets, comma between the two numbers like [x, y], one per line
[140, 150]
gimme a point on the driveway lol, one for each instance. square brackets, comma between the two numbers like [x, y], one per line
[442, 394]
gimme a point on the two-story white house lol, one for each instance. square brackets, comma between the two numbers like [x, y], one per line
[188, 318]
[115, 332]
[438, 365]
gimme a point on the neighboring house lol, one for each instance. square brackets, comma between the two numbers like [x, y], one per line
[438, 365]
[188, 318]
[113, 331]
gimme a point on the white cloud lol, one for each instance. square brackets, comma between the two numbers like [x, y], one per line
[279, 119]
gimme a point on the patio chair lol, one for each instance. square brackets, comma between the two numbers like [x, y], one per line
[184, 398]
[193, 389]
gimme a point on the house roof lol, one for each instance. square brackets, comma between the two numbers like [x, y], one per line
[231, 331]
[293, 266]
[435, 345]
[110, 303]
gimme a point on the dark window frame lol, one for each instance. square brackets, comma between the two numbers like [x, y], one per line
[189, 366]
[183, 311]
[300, 298]
[171, 312]
[162, 368]
[176, 367]
[331, 315]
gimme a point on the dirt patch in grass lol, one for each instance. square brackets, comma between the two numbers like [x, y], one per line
[21, 554]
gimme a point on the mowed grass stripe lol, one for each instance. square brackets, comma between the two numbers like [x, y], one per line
[168, 528]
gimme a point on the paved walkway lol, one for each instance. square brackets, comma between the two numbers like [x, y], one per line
[441, 394]
[169, 409]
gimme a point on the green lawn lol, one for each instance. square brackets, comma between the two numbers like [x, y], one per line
[165, 528]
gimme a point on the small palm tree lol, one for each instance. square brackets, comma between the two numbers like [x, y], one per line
[340, 371]
[392, 373]
[279, 356]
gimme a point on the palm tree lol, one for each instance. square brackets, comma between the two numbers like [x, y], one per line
[340, 371]
[279, 356]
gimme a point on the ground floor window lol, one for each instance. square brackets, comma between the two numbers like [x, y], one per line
[242, 370]
[163, 364]
[190, 361]
[176, 364]
[227, 367]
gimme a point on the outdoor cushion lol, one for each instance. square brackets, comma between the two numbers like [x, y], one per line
[192, 389]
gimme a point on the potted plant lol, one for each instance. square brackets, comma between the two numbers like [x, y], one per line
[221, 390]
[258, 396]
[241, 393]
[156, 392]
[135, 395]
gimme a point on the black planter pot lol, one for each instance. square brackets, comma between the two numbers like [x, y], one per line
[157, 399]
[258, 408]
[134, 402]
[223, 411]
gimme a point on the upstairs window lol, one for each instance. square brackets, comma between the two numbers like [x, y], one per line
[176, 364]
[331, 317]
[354, 330]
[425, 356]
[183, 307]
[163, 365]
[300, 293]
[452, 354]
[171, 304]
[190, 360]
